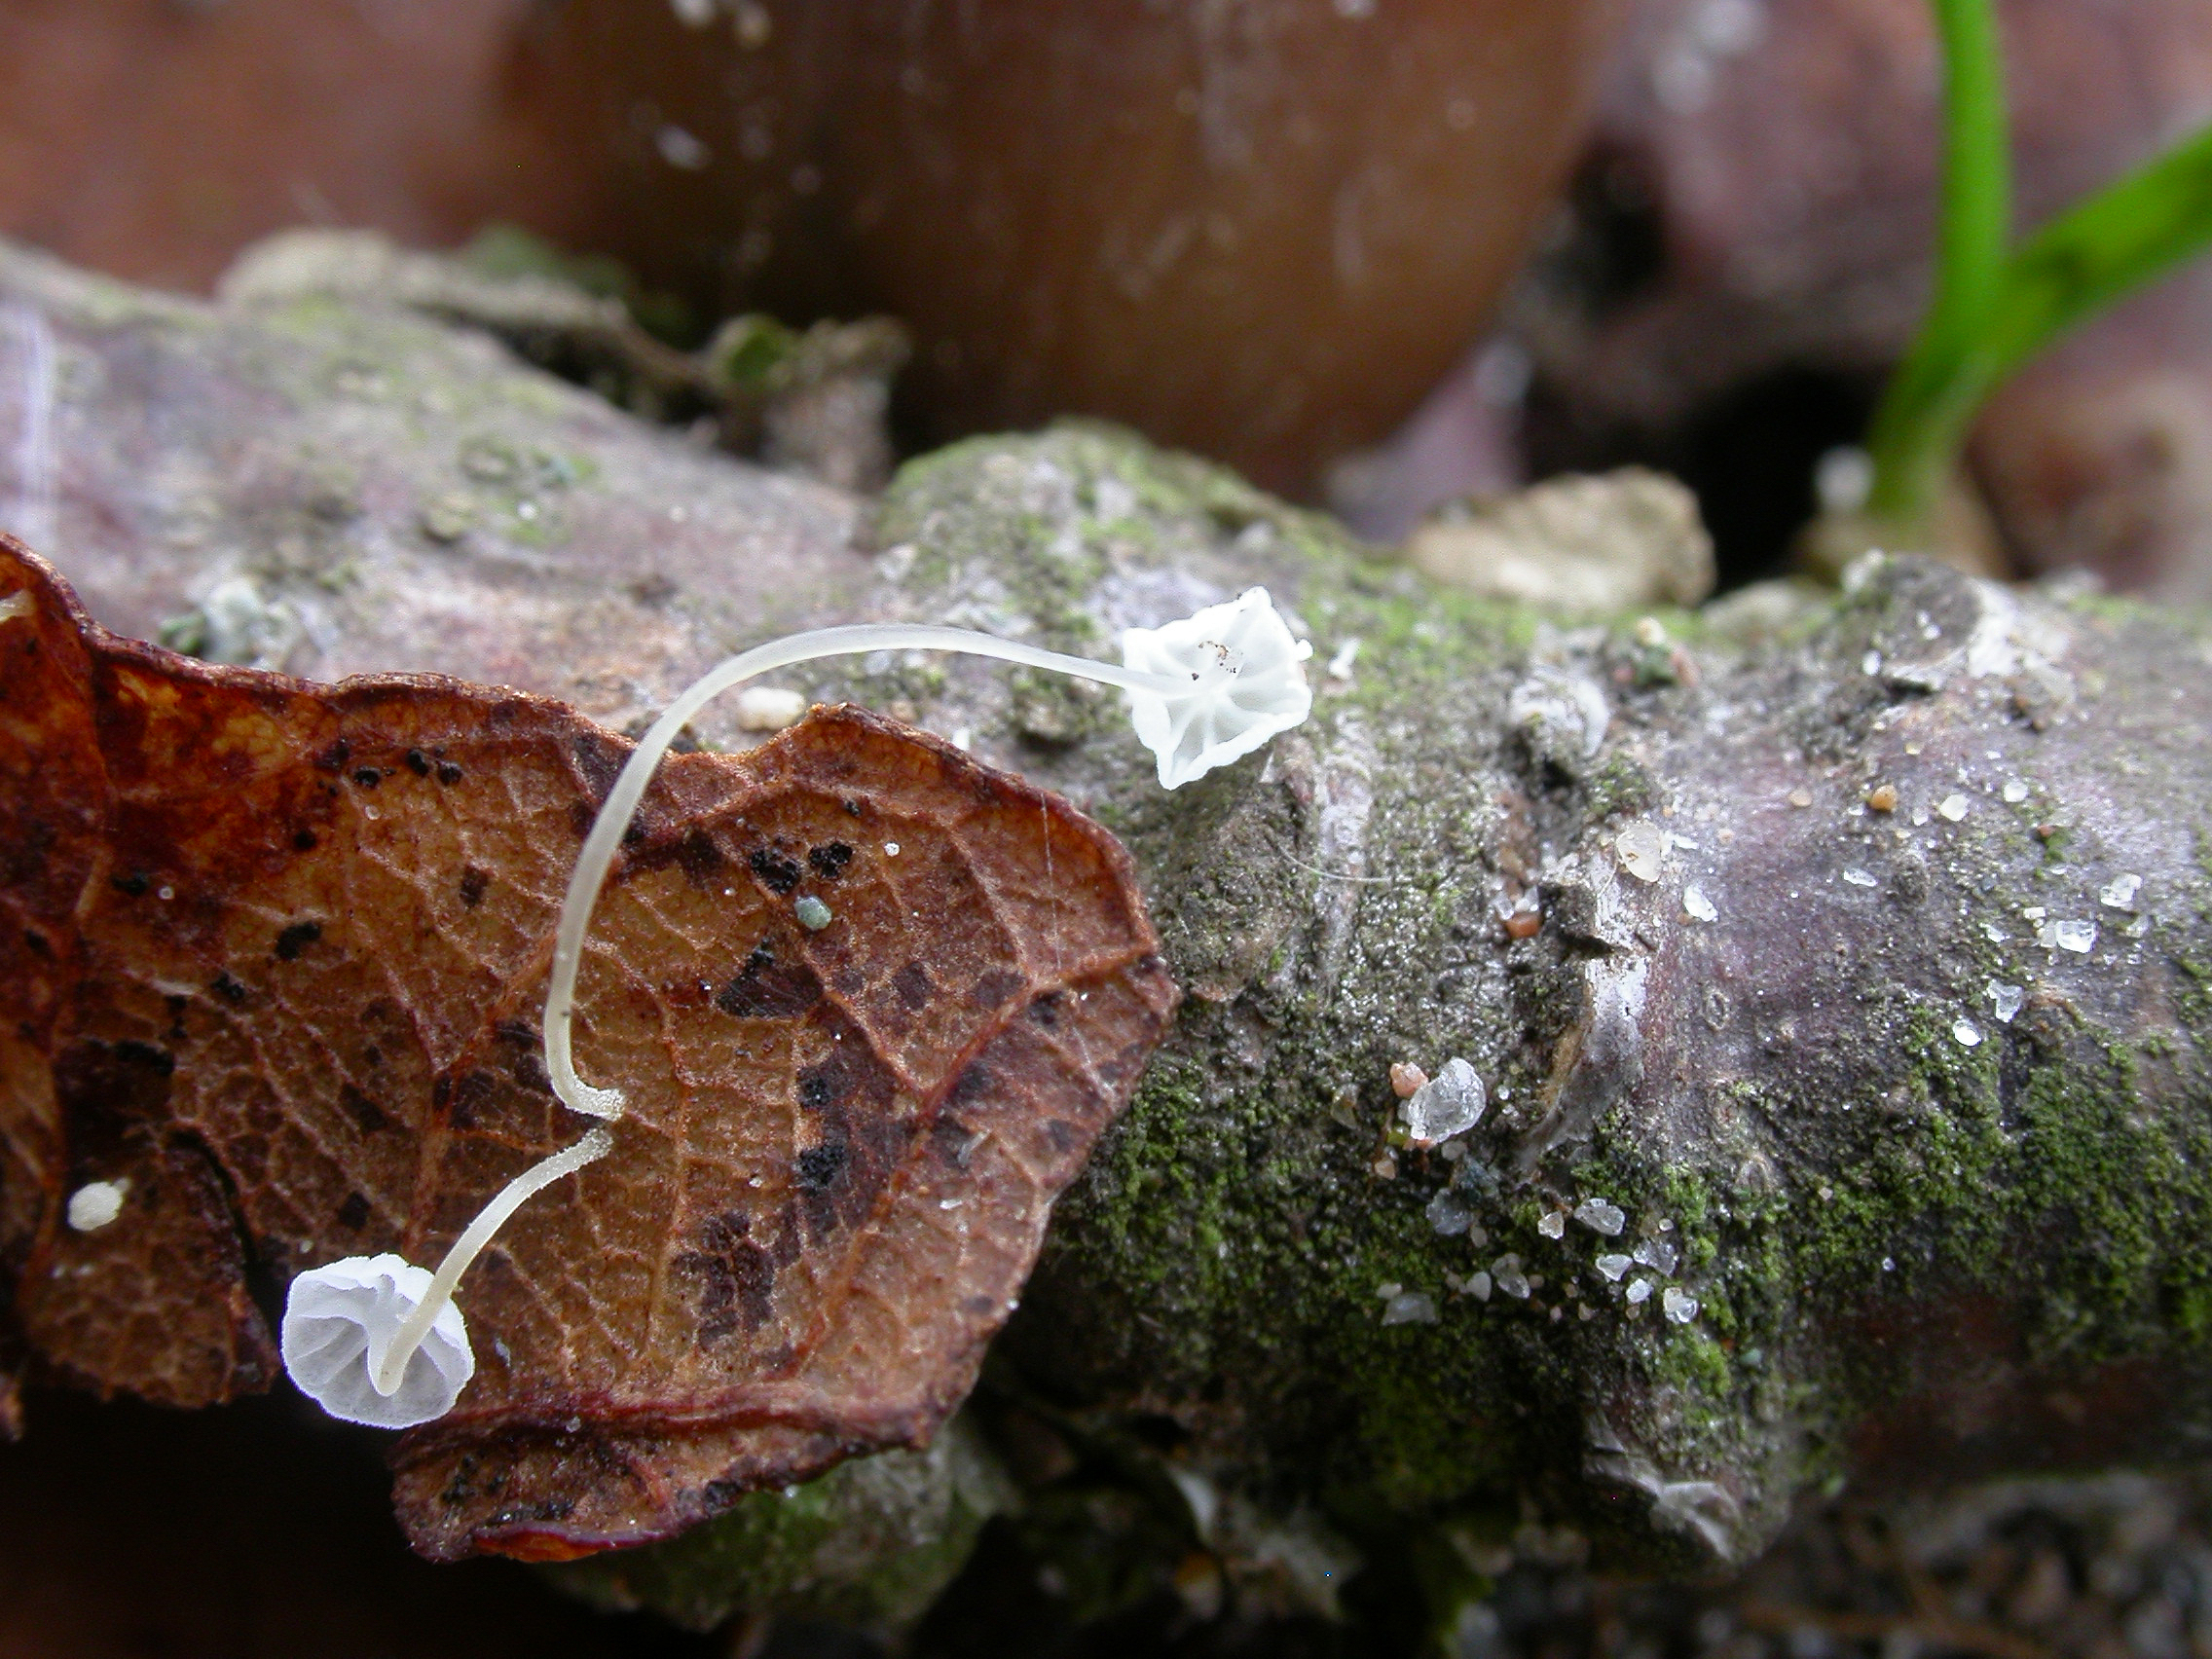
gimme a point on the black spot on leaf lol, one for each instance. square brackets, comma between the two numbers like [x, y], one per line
[778, 873]
[365, 1113]
[698, 857]
[767, 989]
[296, 939]
[160, 1061]
[994, 988]
[974, 1083]
[471, 1092]
[819, 1165]
[736, 1278]
[830, 862]
[829, 1084]
[912, 985]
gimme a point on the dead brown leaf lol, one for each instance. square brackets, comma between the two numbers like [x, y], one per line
[274, 955]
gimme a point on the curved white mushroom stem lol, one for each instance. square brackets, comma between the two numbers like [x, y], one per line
[621, 805]
[465, 1248]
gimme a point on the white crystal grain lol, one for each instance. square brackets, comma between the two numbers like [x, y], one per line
[2077, 937]
[1448, 1104]
[1641, 848]
[1411, 1308]
[1448, 1215]
[1658, 1255]
[1599, 1216]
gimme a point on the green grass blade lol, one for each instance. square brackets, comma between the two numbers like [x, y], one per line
[1978, 171]
[1915, 431]
[2088, 257]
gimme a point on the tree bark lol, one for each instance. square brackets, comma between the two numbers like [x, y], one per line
[1852, 946]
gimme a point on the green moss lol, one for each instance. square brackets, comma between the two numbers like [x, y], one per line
[1689, 1205]
[1692, 1361]
[868, 1545]
[2073, 1208]
[1620, 786]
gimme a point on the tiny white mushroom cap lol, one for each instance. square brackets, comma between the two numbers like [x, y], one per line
[1245, 684]
[338, 1323]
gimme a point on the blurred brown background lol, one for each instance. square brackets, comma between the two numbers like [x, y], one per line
[1259, 228]
[1266, 230]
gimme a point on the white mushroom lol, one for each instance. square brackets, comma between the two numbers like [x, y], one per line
[340, 1325]
[377, 1340]
[1240, 683]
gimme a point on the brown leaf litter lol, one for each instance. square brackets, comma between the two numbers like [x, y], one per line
[271, 956]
